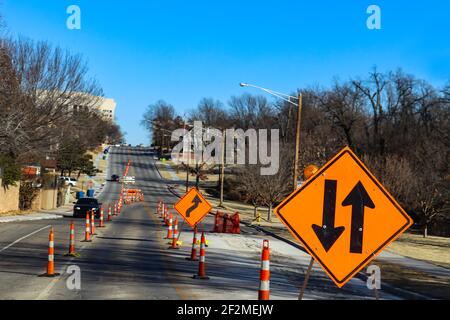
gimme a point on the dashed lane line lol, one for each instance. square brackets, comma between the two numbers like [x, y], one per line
[24, 237]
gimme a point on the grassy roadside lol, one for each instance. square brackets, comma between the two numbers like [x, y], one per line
[434, 250]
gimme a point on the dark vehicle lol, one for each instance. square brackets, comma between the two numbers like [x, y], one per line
[82, 206]
[115, 178]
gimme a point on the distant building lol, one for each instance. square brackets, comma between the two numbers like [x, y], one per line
[106, 107]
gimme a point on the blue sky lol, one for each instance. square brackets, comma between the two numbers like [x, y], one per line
[180, 51]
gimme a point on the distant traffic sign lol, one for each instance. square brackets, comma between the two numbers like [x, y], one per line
[193, 207]
[343, 216]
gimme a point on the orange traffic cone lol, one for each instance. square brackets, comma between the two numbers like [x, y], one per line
[201, 267]
[72, 252]
[109, 213]
[264, 277]
[87, 237]
[51, 257]
[193, 256]
[161, 212]
[158, 208]
[170, 229]
[175, 236]
[165, 217]
[93, 224]
[102, 222]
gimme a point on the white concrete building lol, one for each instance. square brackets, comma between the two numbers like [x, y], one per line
[106, 107]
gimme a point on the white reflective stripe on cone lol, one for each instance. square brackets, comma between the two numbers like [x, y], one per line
[202, 258]
[51, 244]
[264, 285]
[50, 258]
[265, 265]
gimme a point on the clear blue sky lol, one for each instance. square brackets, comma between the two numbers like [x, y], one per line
[180, 51]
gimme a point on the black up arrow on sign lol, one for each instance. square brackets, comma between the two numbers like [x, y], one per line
[358, 199]
[327, 232]
[195, 202]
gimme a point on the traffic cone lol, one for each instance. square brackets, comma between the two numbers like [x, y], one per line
[51, 257]
[109, 214]
[115, 208]
[170, 229]
[161, 213]
[175, 236]
[102, 222]
[87, 237]
[72, 252]
[264, 277]
[158, 209]
[93, 223]
[193, 256]
[201, 267]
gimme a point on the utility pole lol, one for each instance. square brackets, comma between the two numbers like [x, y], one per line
[187, 177]
[297, 140]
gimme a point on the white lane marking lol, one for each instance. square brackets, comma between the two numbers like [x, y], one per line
[23, 238]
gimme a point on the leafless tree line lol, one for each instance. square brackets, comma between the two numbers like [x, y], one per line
[397, 123]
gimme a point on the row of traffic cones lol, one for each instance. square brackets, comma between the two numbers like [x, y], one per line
[89, 232]
[172, 233]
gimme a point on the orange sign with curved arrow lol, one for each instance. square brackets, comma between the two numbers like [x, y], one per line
[343, 216]
[193, 207]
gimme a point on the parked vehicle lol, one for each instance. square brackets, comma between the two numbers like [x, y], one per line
[68, 181]
[84, 205]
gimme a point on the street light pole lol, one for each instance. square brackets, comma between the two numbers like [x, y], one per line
[288, 98]
[297, 140]
[222, 171]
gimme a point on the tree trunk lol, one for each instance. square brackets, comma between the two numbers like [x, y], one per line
[425, 231]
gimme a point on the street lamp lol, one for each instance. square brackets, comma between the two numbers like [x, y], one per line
[299, 104]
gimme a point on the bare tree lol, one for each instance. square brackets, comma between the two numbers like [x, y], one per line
[211, 112]
[267, 190]
[160, 119]
[254, 112]
[49, 82]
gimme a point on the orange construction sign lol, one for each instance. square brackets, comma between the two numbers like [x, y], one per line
[193, 207]
[343, 216]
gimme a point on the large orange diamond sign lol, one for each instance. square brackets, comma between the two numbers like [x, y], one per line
[343, 216]
[193, 207]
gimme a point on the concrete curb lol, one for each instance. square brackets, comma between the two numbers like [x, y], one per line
[30, 217]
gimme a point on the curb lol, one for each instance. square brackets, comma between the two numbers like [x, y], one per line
[25, 218]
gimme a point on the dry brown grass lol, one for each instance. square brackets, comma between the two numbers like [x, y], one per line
[413, 280]
[435, 250]
[15, 213]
